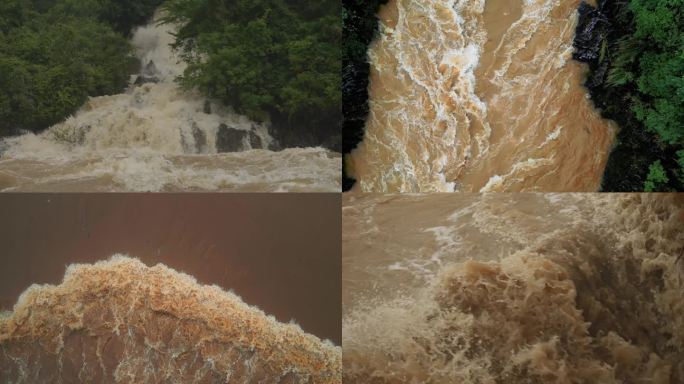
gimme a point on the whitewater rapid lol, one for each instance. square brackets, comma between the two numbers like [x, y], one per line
[479, 96]
[158, 137]
[120, 321]
[513, 288]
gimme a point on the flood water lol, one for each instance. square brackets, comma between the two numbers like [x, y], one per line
[479, 96]
[514, 288]
[170, 288]
[270, 250]
[158, 137]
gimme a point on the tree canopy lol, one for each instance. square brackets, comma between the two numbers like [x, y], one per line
[647, 65]
[277, 59]
[54, 54]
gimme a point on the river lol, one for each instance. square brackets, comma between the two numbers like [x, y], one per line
[150, 288]
[158, 137]
[514, 288]
[479, 96]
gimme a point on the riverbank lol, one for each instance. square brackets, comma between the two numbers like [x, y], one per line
[617, 49]
[360, 23]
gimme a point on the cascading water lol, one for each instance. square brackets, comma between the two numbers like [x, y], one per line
[119, 321]
[479, 96]
[158, 137]
[520, 288]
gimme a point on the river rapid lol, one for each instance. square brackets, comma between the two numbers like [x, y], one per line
[158, 137]
[479, 96]
[515, 288]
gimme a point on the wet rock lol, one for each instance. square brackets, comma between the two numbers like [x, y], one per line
[229, 139]
[142, 79]
[207, 107]
[4, 146]
[592, 29]
[274, 146]
[200, 138]
[591, 42]
[255, 140]
[150, 69]
[149, 74]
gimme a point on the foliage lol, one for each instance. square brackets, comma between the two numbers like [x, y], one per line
[647, 70]
[656, 179]
[54, 54]
[277, 59]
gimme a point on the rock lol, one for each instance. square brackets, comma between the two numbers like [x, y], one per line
[207, 107]
[229, 139]
[274, 146]
[200, 138]
[142, 79]
[150, 69]
[149, 74]
[255, 140]
[592, 28]
[4, 146]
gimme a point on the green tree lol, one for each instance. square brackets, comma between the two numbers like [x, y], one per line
[54, 54]
[647, 73]
[277, 59]
[656, 179]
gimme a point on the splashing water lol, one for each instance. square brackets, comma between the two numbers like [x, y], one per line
[515, 288]
[158, 137]
[479, 96]
[119, 321]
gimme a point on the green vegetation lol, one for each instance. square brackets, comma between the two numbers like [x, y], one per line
[268, 59]
[646, 73]
[656, 177]
[54, 54]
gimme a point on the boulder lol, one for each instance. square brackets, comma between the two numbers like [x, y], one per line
[592, 29]
[150, 69]
[149, 74]
[255, 140]
[207, 107]
[142, 79]
[229, 139]
[200, 138]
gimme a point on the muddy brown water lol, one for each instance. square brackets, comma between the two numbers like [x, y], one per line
[278, 252]
[513, 288]
[479, 96]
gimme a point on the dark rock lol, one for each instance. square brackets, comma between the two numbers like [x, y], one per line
[592, 29]
[597, 75]
[229, 139]
[4, 146]
[275, 146]
[149, 74]
[142, 79]
[200, 138]
[360, 26]
[255, 140]
[150, 69]
[207, 107]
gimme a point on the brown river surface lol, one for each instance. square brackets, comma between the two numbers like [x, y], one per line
[513, 288]
[479, 96]
[170, 288]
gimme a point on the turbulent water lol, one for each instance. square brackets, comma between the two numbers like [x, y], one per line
[157, 137]
[515, 288]
[121, 321]
[479, 96]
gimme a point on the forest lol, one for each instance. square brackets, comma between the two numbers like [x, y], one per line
[638, 81]
[54, 54]
[276, 60]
